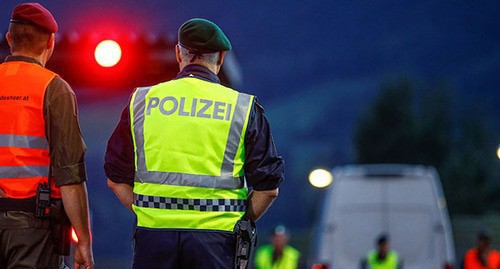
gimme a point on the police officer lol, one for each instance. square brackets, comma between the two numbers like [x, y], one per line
[184, 154]
[40, 142]
[382, 257]
[278, 254]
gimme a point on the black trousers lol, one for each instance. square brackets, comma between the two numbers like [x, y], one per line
[165, 249]
[26, 242]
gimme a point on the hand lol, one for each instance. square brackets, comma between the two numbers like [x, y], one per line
[83, 257]
[2, 194]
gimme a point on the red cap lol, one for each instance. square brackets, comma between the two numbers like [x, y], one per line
[34, 13]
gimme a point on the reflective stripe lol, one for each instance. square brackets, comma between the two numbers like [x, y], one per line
[139, 107]
[181, 179]
[233, 140]
[23, 171]
[225, 181]
[216, 205]
[23, 141]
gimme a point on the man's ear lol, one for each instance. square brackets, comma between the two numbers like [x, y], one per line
[52, 41]
[221, 58]
[178, 54]
[9, 40]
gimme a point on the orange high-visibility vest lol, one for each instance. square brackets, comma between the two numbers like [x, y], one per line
[24, 149]
[471, 260]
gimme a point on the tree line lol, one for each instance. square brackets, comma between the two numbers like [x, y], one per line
[402, 126]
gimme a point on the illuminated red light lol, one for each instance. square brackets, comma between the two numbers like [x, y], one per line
[108, 53]
[448, 266]
[74, 237]
[320, 266]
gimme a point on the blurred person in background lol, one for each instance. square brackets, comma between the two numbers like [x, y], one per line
[482, 256]
[382, 257]
[278, 254]
[42, 168]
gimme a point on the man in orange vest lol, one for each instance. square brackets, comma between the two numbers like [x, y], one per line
[42, 168]
[482, 256]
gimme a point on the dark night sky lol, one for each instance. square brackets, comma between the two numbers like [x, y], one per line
[299, 42]
[316, 62]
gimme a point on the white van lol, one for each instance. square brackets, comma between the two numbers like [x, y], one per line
[406, 202]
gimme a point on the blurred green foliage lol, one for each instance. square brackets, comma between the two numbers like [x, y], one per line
[402, 127]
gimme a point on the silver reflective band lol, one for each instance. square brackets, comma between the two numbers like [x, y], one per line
[139, 107]
[233, 140]
[181, 179]
[23, 171]
[23, 141]
[214, 205]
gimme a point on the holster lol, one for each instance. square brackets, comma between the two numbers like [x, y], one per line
[246, 240]
[61, 228]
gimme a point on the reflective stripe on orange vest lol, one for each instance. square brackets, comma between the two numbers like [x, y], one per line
[23, 141]
[24, 149]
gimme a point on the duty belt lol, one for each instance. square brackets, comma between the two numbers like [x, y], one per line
[26, 205]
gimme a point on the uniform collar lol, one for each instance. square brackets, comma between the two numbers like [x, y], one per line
[200, 72]
[20, 58]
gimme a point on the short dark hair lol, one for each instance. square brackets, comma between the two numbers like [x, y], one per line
[26, 37]
[382, 239]
[483, 236]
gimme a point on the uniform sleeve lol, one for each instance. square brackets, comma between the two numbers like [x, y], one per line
[66, 146]
[264, 168]
[119, 164]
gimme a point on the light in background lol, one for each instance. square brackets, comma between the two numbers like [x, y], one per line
[74, 237]
[320, 178]
[108, 53]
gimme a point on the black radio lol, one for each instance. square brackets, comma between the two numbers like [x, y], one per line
[54, 210]
[42, 209]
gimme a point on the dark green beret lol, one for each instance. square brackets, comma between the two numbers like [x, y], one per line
[203, 36]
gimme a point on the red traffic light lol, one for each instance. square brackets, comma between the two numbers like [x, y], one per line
[108, 53]
[139, 60]
[113, 60]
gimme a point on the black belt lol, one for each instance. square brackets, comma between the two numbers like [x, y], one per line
[26, 205]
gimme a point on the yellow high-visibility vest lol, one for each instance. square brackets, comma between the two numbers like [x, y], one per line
[289, 259]
[189, 154]
[390, 262]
